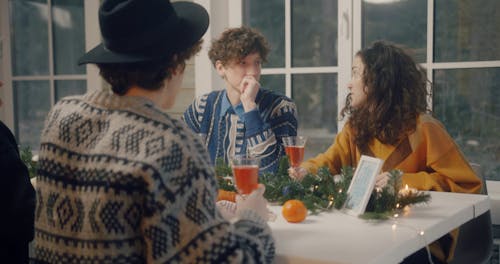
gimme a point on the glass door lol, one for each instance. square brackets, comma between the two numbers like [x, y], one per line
[304, 62]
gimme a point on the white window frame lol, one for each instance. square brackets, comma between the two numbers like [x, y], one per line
[92, 38]
[206, 78]
[429, 65]
[228, 13]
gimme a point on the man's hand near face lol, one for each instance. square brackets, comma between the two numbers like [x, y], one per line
[249, 88]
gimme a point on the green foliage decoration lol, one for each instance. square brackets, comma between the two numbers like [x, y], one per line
[323, 191]
[224, 176]
[27, 157]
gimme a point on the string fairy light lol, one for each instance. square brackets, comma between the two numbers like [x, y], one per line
[420, 232]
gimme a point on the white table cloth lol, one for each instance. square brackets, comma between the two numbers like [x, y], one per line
[335, 237]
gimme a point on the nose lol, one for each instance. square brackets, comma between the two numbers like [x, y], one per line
[253, 71]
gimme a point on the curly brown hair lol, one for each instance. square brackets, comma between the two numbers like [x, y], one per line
[397, 94]
[236, 44]
[149, 75]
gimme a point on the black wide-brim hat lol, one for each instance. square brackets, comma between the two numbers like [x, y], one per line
[146, 30]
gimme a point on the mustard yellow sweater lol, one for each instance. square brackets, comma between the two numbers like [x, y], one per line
[429, 159]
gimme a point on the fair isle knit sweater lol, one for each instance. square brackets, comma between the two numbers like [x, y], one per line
[122, 182]
[229, 131]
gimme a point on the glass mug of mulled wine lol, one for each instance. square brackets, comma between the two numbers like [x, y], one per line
[294, 149]
[245, 174]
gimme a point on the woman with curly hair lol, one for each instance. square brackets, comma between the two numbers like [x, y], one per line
[389, 119]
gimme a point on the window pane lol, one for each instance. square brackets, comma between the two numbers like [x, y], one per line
[66, 88]
[466, 30]
[68, 28]
[314, 33]
[274, 83]
[467, 101]
[316, 99]
[29, 40]
[31, 104]
[401, 22]
[269, 18]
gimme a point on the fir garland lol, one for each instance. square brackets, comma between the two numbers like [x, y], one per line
[27, 157]
[324, 192]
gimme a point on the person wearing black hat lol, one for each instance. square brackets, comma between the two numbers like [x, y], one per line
[17, 200]
[119, 180]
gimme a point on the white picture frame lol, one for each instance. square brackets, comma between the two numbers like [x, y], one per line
[362, 184]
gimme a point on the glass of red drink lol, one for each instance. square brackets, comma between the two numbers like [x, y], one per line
[294, 149]
[245, 173]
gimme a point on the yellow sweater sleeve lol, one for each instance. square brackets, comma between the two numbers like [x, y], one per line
[341, 153]
[435, 162]
[446, 168]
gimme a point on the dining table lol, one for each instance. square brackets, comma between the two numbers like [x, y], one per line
[338, 237]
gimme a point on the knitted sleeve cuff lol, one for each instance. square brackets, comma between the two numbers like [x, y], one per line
[248, 214]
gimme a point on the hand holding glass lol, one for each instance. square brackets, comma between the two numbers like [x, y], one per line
[294, 149]
[246, 180]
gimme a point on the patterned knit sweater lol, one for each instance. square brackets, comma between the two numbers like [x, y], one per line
[122, 182]
[229, 131]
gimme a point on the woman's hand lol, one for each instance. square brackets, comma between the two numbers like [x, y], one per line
[297, 173]
[254, 201]
[382, 179]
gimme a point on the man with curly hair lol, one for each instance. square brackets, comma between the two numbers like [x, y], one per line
[242, 119]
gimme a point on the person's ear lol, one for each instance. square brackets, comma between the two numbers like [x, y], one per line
[177, 70]
[219, 67]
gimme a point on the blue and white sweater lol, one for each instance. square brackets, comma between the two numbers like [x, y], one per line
[230, 131]
[122, 182]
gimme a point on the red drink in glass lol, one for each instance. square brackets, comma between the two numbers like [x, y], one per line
[246, 178]
[294, 149]
[295, 154]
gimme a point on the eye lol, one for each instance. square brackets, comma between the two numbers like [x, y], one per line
[356, 74]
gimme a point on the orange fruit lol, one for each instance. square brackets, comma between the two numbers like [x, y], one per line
[294, 211]
[226, 195]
